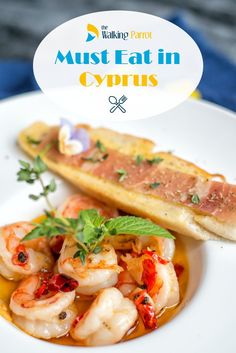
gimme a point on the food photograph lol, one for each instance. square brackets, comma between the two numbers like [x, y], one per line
[118, 196]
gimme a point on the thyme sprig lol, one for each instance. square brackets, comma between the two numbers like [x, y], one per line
[31, 173]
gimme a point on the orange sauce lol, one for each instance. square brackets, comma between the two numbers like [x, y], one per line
[180, 257]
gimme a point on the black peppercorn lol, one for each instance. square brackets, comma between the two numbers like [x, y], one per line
[21, 257]
[145, 300]
[62, 315]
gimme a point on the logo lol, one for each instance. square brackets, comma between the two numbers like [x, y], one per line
[92, 32]
[106, 33]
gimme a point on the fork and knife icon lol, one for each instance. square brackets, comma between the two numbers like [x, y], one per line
[117, 103]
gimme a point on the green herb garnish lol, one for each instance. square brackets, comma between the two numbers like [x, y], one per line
[122, 174]
[139, 158]
[33, 173]
[97, 250]
[155, 160]
[90, 228]
[135, 226]
[100, 146]
[81, 253]
[154, 185]
[32, 141]
[195, 199]
[96, 160]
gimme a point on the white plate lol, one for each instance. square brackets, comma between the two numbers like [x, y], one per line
[197, 131]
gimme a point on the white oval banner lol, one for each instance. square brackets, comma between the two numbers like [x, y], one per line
[118, 65]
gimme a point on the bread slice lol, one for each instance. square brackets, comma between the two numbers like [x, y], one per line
[171, 215]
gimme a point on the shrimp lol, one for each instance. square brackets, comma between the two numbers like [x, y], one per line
[168, 294]
[43, 306]
[18, 260]
[163, 246]
[107, 320]
[166, 246]
[78, 202]
[157, 275]
[99, 270]
[126, 284]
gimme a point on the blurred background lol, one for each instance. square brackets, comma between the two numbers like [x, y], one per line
[212, 23]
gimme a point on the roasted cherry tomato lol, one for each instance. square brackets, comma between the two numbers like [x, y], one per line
[149, 275]
[146, 309]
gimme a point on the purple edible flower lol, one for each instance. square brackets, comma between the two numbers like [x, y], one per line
[77, 134]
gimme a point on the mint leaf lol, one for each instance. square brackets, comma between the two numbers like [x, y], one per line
[75, 224]
[91, 217]
[136, 226]
[89, 233]
[92, 222]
